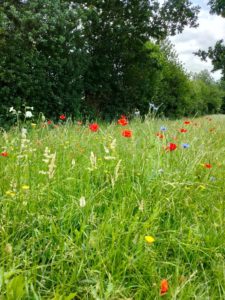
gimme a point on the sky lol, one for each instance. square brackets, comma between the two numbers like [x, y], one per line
[211, 28]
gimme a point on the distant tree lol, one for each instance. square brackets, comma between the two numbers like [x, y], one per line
[207, 93]
[216, 53]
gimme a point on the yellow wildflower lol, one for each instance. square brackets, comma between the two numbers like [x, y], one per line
[149, 239]
[25, 187]
[10, 193]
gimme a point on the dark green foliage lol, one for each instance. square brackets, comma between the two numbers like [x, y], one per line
[123, 72]
[216, 53]
[94, 58]
[217, 7]
[42, 57]
[207, 94]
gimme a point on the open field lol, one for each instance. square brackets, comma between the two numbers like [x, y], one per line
[98, 215]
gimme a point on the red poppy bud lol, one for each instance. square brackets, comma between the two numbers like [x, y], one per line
[164, 287]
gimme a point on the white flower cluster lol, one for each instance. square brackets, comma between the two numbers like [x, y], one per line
[49, 159]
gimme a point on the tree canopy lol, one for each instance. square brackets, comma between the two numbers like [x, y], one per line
[217, 52]
[93, 58]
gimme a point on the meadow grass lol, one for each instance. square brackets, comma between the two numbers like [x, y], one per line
[76, 206]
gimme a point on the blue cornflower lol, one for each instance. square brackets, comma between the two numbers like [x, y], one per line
[163, 128]
[212, 178]
[185, 146]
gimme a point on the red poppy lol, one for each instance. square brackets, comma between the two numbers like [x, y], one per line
[127, 133]
[4, 154]
[171, 147]
[187, 122]
[208, 166]
[164, 287]
[62, 117]
[122, 121]
[50, 122]
[159, 135]
[182, 130]
[94, 127]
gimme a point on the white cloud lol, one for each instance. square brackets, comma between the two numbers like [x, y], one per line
[211, 28]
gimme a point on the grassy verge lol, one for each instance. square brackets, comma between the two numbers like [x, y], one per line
[76, 206]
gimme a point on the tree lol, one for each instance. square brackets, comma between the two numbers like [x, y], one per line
[216, 53]
[120, 64]
[85, 56]
[207, 93]
[42, 58]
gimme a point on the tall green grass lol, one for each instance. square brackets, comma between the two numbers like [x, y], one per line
[76, 205]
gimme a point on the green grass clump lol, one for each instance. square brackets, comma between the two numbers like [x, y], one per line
[76, 205]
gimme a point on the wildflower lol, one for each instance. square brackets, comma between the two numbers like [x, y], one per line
[159, 135]
[94, 127]
[10, 193]
[28, 114]
[33, 125]
[187, 122]
[208, 166]
[171, 147]
[164, 287]
[212, 178]
[12, 110]
[123, 121]
[185, 146]
[127, 133]
[62, 117]
[49, 122]
[137, 113]
[149, 239]
[163, 128]
[25, 187]
[82, 201]
[4, 154]
[182, 130]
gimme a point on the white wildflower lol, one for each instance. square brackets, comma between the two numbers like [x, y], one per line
[28, 114]
[24, 133]
[12, 110]
[82, 201]
[73, 162]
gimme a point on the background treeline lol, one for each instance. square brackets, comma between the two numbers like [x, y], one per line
[99, 59]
